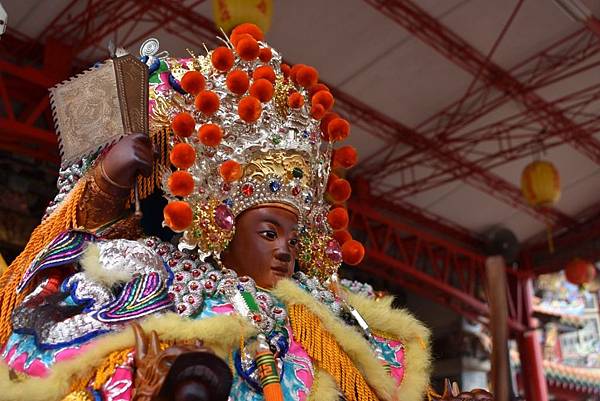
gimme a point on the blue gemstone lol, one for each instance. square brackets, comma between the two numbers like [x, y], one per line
[240, 287]
[305, 134]
[228, 202]
[275, 186]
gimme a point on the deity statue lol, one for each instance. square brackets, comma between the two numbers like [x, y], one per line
[244, 302]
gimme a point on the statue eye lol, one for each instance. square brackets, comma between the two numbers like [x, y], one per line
[269, 234]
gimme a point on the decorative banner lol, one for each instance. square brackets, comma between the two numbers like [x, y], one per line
[230, 13]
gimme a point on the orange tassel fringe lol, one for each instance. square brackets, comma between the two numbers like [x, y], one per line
[64, 218]
[324, 349]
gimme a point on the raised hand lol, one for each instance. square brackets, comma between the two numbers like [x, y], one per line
[131, 156]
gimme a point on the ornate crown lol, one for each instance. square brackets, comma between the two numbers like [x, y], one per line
[248, 130]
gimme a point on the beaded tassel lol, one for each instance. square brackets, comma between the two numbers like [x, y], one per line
[322, 347]
[267, 371]
[146, 185]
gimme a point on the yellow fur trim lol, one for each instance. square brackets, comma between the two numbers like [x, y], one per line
[90, 262]
[401, 325]
[351, 341]
[221, 333]
[324, 387]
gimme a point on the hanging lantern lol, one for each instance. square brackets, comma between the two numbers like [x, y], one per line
[579, 271]
[540, 185]
[230, 13]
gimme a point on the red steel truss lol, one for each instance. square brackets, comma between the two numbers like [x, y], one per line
[428, 265]
[499, 86]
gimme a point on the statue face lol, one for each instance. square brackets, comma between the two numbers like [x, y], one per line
[264, 245]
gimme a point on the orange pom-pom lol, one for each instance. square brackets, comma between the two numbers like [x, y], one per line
[317, 88]
[324, 98]
[340, 190]
[353, 252]
[262, 89]
[249, 109]
[265, 54]
[345, 157]
[341, 236]
[222, 58]
[338, 129]
[193, 82]
[182, 156]
[247, 48]
[230, 171]
[294, 71]
[317, 111]
[264, 72]
[249, 28]
[327, 118]
[295, 100]
[183, 124]
[207, 102]
[238, 82]
[178, 215]
[285, 70]
[338, 218]
[210, 134]
[307, 76]
[235, 38]
[181, 183]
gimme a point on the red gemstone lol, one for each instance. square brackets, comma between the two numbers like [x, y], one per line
[181, 308]
[194, 286]
[191, 300]
[196, 273]
[171, 296]
[187, 266]
[247, 190]
[226, 187]
[333, 251]
[208, 285]
[177, 288]
[172, 262]
[296, 191]
[257, 318]
[179, 277]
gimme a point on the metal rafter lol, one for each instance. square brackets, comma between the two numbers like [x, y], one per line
[495, 144]
[454, 48]
[373, 121]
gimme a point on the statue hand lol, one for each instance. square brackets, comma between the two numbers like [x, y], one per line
[127, 158]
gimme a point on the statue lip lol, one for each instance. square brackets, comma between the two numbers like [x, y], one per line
[281, 269]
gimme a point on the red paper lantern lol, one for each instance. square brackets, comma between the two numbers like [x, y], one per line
[579, 271]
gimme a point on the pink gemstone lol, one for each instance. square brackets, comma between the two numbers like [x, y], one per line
[333, 251]
[224, 217]
[171, 296]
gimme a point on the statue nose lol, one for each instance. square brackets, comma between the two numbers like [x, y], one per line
[285, 257]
